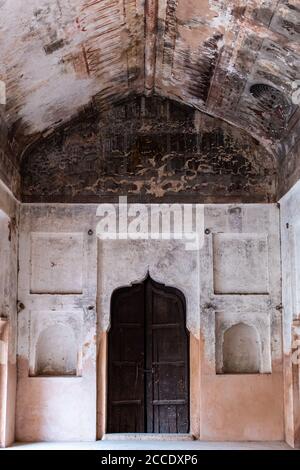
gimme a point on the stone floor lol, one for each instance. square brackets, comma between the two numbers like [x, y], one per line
[152, 445]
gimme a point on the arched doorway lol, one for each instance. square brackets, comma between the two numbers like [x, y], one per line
[148, 360]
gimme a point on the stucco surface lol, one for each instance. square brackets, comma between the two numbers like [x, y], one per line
[225, 407]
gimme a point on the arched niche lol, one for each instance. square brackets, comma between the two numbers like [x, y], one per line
[241, 350]
[56, 352]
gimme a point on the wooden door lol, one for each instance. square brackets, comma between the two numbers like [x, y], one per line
[167, 391]
[126, 381]
[148, 361]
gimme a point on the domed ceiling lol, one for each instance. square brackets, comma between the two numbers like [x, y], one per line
[235, 60]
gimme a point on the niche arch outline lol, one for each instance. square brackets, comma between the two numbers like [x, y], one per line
[164, 265]
[167, 263]
[59, 358]
[253, 366]
[261, 326]
[42, 321]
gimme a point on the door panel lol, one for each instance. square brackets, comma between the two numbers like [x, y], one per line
[148, 361]
[167, 355]
[126, 361]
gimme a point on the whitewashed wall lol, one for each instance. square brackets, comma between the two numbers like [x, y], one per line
[8, 313]
[240, 285]
[233, 280]
[57, 293]
[290, 235]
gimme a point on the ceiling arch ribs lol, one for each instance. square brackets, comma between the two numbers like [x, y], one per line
[61, 57]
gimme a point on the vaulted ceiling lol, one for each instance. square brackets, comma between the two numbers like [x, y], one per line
[233, 59]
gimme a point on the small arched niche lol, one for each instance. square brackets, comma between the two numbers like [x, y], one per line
[241, 350]
[56, 352]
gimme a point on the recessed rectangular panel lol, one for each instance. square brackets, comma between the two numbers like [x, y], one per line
[240, 263]
[56, 263]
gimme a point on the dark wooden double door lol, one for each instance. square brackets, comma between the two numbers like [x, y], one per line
[148, 361]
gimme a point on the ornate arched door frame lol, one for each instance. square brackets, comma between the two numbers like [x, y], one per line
[168, 263]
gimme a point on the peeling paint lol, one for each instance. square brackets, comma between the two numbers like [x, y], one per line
[60, 55]
[148, 148]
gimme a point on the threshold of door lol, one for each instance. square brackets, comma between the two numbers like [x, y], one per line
[147, 437]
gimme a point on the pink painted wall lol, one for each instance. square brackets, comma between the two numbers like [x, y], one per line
[242, 408]
[57, 408]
